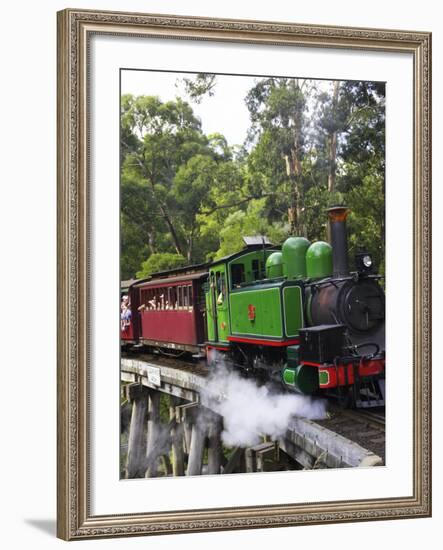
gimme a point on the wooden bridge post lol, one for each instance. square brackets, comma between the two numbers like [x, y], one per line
[135, 462]
[187, 429]
[178, 453]
[198, 437]
[215, 445]
[152, 456]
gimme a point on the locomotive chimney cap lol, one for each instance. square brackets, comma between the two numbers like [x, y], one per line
[338, 213]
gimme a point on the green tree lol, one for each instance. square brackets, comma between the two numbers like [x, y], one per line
[249, 222]
[277, 107]
[200, 85]
[347, 160]
[160, 261]
[163, 137]
[362, 174]
[173, 178]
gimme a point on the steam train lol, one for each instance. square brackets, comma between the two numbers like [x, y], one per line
[295, 315]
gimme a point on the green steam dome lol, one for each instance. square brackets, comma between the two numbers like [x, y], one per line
[319, 260]
[274, 265]
[294, 257]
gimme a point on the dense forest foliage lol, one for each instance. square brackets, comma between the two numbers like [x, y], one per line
[187, 197]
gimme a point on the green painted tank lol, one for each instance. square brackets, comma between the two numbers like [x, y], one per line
[294, 257]
[274, 265]
[319, 260]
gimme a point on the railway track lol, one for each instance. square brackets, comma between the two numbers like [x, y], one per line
[377, 418]
[367, 428]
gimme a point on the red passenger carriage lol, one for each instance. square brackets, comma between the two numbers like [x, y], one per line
[170, 312]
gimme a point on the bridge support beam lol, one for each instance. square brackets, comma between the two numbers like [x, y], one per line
[138, 396]
[214, 444]
[195, 459]
[178, 453]
[154, 443]
[187, 430]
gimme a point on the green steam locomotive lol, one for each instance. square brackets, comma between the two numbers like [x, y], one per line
[299, 316]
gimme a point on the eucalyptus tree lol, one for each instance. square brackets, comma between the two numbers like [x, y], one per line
[278, 108]
[348, 140]
[176, 171]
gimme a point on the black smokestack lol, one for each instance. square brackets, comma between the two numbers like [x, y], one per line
[339, 239]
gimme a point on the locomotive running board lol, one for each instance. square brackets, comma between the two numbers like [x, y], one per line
[258, 342]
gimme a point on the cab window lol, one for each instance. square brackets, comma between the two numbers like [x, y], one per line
[237, 275]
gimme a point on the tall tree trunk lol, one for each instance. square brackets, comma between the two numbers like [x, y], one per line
[172, 230]
[292, 209]
[151, 242]
[190, 248]
[294, 169]
[332, 149]
[150, 179]
[294, 173]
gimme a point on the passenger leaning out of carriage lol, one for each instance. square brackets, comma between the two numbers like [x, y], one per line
[125, 313]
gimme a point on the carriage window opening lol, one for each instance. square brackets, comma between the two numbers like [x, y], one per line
[155, 299]
[237, 275]
[164, 298]
[149, 303]
[191, 297]
[186, 296]
[152, 300]
[170, 303]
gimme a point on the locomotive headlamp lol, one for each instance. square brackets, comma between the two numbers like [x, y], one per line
[363, 262]
[367, 260]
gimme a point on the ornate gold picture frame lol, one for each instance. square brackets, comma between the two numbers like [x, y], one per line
[75, 516]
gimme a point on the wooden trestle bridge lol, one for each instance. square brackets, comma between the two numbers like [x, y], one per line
[305, 445]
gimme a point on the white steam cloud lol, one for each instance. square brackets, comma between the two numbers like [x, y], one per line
[250, 411]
